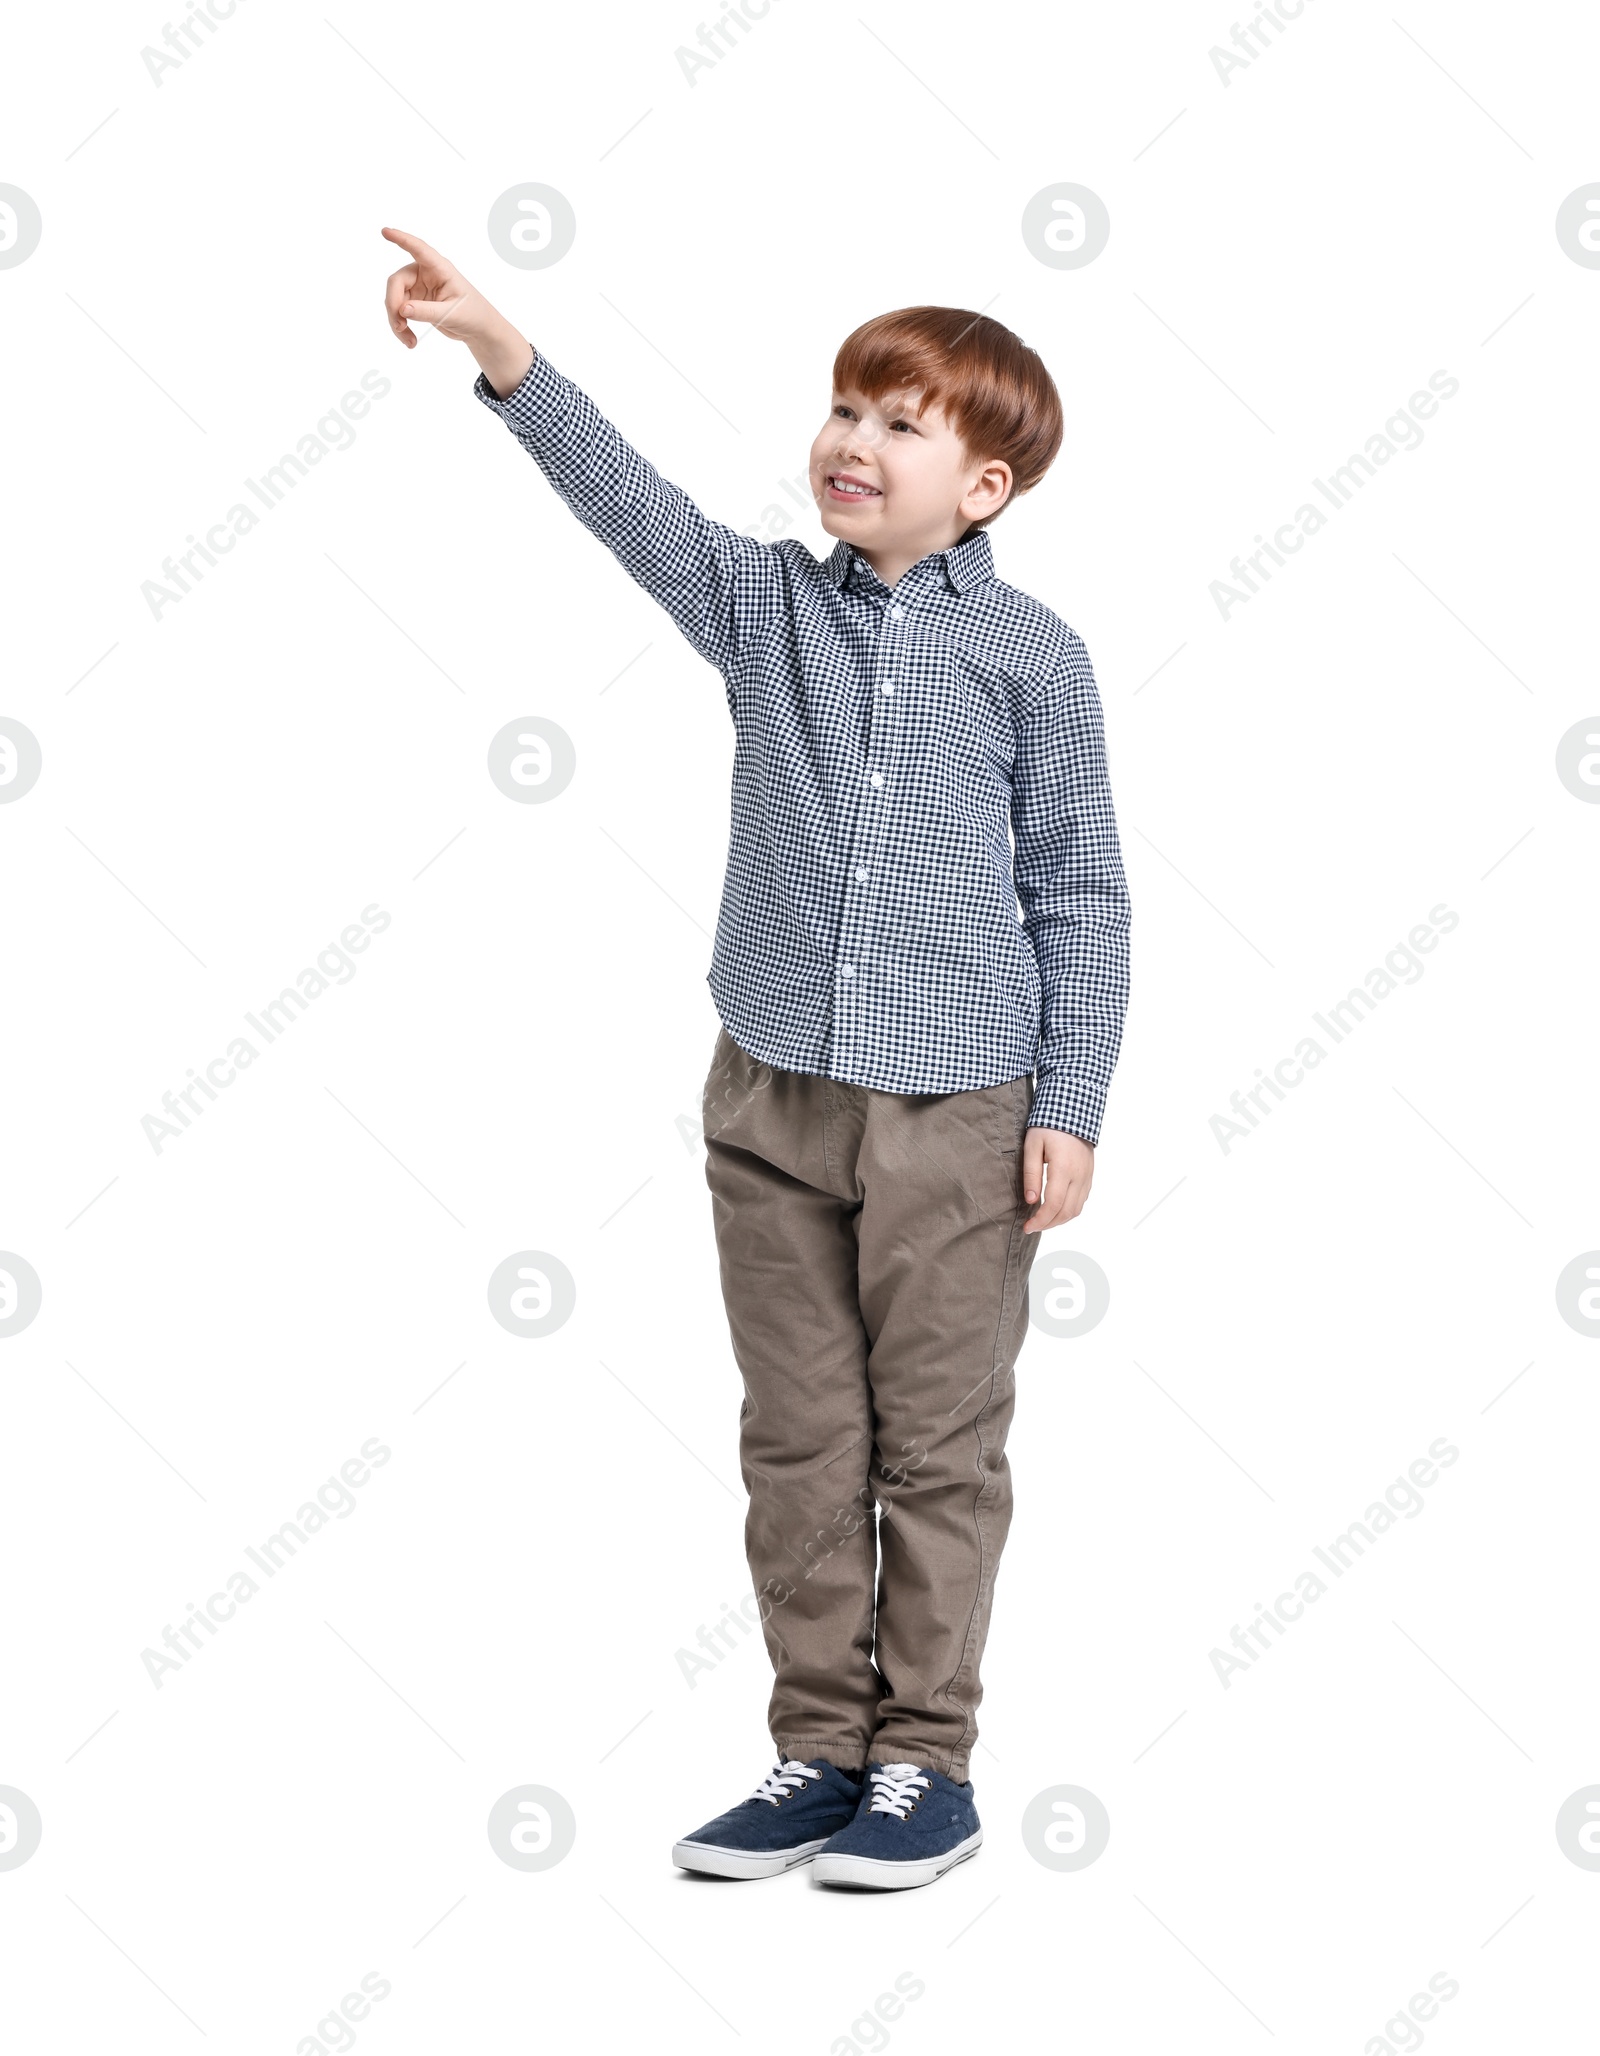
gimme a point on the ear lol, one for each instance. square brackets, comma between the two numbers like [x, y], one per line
[988, 491]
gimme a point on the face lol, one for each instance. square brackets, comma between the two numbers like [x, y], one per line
[896, 481]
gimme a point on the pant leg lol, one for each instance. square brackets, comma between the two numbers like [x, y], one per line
[942, 1286]
[780, 1150]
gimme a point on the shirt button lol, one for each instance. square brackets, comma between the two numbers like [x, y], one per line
[897, 613]
[849, 970]
[861, 874]
[877, 778]
[888, 686]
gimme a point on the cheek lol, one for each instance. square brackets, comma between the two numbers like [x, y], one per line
[916, 473]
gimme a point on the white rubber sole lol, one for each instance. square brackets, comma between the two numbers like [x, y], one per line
[892, 1877]
[742, 1863]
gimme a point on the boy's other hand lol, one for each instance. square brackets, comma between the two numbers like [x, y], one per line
[1070, 1162]
[431, 289]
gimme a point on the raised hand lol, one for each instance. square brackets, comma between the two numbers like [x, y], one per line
[431, 289]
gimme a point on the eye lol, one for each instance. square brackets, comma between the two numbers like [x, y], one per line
[843, 409]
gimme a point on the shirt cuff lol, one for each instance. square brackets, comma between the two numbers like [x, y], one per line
[539, 402]
[1069, 1104]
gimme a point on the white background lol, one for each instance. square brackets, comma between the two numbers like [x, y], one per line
[517, 1063]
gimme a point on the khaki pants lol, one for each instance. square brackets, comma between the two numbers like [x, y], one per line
[874, 1270]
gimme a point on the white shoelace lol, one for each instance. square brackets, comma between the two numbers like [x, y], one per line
[896, 1789]
[785, 1776]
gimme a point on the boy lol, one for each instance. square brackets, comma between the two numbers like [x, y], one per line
[918, 751]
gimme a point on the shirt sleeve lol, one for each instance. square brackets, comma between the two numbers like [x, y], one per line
[1075, 909]
[720, 587]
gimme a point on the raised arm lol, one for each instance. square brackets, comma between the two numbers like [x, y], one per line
[721, 588]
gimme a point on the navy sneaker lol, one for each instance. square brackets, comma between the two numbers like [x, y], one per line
[785, 1821]
[911, 1827]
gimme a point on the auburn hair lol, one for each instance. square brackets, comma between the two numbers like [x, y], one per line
[994, 391]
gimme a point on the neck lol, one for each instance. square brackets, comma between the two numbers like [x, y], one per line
[891, 563]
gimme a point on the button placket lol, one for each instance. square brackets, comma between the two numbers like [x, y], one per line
[856, 922]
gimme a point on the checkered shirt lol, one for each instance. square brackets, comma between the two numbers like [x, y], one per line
[924, 890]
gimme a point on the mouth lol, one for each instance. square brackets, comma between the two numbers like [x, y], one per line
[846, 491]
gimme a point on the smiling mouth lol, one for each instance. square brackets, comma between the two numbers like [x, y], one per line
[843, 487]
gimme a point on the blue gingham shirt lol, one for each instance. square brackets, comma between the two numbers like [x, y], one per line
[890, 745]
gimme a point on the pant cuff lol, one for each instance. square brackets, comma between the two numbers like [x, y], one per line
[851, 1756]
[903, 1749]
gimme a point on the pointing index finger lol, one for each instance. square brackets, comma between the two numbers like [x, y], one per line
[414, 246]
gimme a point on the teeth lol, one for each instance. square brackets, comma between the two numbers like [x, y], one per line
[845, 485]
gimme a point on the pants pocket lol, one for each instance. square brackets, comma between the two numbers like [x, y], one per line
[716, 1093]
[733, 1084]
[1002, 1112]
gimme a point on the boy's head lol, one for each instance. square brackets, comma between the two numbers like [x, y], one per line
[944, 416]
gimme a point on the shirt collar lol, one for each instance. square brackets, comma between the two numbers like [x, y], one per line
[963, 567]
